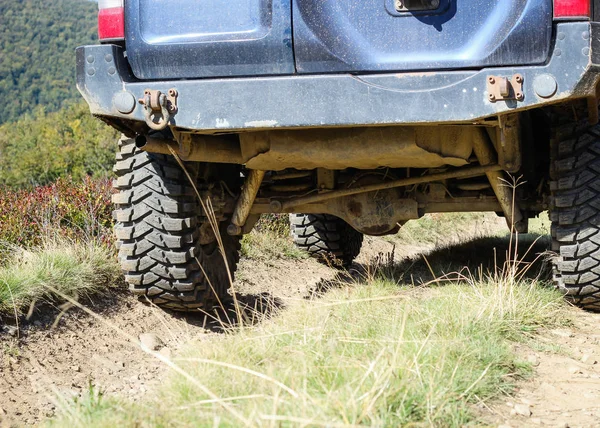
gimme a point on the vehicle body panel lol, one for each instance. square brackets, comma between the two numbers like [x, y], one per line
[184, 39]
[370, 35]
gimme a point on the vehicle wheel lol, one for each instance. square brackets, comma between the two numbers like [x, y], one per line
[326, 237]
[575, 214]
[162, 237]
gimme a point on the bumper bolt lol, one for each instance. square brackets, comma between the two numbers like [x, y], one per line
[124, 102]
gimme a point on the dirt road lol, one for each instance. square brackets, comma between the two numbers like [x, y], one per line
[565, 388]
[43, 363]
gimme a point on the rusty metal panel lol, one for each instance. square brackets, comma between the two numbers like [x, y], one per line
[363, 148]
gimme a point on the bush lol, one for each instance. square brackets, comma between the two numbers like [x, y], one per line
[68, 208]
[278, 224]
[36, 150]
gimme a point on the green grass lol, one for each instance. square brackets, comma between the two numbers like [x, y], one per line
[449, 228]
[373, 353]
[69, 268]
[269, 245]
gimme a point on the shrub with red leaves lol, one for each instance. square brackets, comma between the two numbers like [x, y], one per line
[78, 210]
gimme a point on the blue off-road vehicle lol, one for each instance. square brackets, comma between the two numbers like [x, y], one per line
[354, 116]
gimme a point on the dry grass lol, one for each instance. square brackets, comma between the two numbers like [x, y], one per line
[271, 239]
[451, 228]
[269, 245]
[72, 269]
[374, 352]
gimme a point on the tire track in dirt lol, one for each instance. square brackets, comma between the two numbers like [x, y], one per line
[565, 388]
[45, 363]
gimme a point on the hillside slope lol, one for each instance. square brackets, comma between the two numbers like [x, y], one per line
[37, 61]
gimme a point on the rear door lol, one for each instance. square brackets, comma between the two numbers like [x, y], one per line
[174, 39]
[399, 35]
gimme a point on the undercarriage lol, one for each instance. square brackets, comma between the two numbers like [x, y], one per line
[376, 178]
[185, 199]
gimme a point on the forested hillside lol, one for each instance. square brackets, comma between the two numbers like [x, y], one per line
[37, 53]
[39, 148]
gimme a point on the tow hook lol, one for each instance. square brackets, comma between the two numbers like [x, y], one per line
[503, 88]
[159, 108]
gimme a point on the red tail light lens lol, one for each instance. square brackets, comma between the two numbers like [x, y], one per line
[111, 20]
[572, 8]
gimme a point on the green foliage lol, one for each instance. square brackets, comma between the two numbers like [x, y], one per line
[45, 136]
[55, 240]
[38, 149]
[37, 44]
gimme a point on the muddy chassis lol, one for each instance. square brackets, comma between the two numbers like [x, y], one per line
[514, 141]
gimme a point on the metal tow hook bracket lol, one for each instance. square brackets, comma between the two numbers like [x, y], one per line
[502, 88]
[159, 108]
[415, 5]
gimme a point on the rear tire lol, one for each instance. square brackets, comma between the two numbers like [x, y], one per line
[575, 214]
[326, 237]
[158, 223]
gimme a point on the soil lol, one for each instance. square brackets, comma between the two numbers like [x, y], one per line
[61, 353]
[58, 354]
[565, 388]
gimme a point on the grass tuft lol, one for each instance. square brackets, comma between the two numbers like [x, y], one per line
[71, 268]
[271, 239]
[375, 354]
[269, 245]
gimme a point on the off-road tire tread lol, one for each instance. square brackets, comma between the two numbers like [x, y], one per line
[326, 237]
[575, 213]
[157, 217]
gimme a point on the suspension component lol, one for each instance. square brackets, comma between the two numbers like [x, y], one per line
[245, 201]
[485, 154]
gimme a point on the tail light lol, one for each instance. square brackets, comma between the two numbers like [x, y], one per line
[572, 9]
[111, 20]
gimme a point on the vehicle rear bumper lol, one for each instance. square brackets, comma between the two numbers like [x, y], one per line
[232, 104]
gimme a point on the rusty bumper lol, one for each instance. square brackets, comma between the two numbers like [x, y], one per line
[233, 104]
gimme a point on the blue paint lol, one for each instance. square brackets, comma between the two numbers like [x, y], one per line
[343, 100]
[177, 39]
[369, 35]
